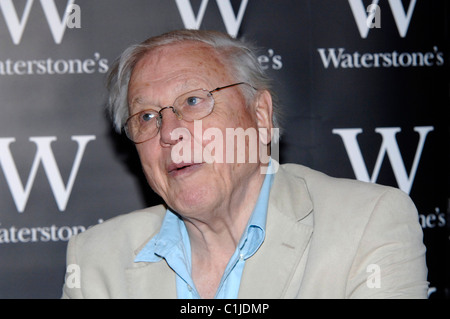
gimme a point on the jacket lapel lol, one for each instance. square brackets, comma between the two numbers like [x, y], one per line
[289, 228]
[151, 281]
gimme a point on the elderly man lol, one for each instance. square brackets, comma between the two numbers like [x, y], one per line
[228, 230]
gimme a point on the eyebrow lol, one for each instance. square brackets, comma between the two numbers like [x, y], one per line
[137, 100]
[182, 88]
[140, 101]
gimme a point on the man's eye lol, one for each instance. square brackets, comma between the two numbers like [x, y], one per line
[145, 117]
[193, 100]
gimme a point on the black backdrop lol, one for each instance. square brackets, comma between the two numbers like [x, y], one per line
[364, 97]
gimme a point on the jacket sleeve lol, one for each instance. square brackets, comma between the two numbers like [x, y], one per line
[390, 260]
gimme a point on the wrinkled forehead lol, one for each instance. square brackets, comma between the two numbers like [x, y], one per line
[189, 56]
[171, 70]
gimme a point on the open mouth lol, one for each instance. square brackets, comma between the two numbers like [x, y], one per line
[182, 168]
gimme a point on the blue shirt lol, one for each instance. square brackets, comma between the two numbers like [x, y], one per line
[172, 244]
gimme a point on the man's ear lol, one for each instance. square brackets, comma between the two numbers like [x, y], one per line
[264, 113]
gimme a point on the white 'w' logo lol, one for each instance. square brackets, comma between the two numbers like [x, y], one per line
[45, 156]
[390, 147]
[232, 22]
[16, 25]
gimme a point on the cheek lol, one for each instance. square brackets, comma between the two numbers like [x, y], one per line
[225, 134]
[232, 114]
[149, 156]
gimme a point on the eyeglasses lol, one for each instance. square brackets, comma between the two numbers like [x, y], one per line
[190, 106]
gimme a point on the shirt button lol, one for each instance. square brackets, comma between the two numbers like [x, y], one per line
[241, 257]
[189, 288]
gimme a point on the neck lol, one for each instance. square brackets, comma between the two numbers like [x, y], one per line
[215, 235]
[219, 231]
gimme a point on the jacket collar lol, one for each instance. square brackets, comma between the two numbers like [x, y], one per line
[289, 229]
[150, 280]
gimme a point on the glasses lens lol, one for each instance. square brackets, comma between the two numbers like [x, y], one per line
[142, 126]
[194, 105]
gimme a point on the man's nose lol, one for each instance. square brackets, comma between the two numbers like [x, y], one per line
[170, 119]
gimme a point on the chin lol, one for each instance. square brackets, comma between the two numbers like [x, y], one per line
[193, 201]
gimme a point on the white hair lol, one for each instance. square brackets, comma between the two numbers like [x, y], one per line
[238, 56]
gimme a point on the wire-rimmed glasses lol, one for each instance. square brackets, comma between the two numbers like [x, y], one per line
[190, 106]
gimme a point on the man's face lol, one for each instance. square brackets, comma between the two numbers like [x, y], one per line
[157, 80]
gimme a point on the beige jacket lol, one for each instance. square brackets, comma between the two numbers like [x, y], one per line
[325, 238]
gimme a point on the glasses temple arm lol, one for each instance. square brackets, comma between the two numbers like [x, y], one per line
[227, 86]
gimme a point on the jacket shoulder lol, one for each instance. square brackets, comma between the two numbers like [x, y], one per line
[342, 208]
[357, 225]
[105, 251]
[123, 232]
[326, 189]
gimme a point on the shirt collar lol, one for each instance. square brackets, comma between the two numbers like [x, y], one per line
[170, 236]
[255, 231]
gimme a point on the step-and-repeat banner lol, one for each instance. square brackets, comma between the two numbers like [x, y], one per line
[364, 85]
